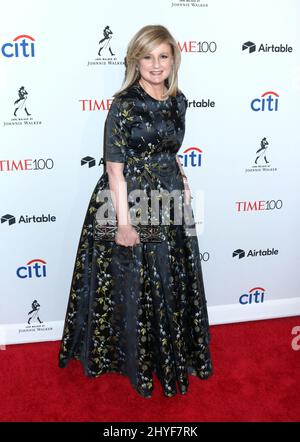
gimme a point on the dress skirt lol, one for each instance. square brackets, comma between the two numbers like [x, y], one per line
[139, 310]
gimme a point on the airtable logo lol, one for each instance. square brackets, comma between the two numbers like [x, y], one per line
[34, 268]
[255, 295]
[202, 103]
[263, 47]
[240, 253]
[192, 156]
[20, 47]
[27, 219]
[267, 102]
[91, 161]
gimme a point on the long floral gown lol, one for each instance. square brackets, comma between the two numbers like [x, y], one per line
[140, 310]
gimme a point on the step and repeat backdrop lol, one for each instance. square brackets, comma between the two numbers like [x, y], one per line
[60, 64]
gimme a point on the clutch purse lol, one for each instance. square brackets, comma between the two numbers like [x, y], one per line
[147, 232]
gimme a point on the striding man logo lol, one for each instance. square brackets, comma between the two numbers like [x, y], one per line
[20, 103]
[34, 313]
[105, 41]
[261, 152]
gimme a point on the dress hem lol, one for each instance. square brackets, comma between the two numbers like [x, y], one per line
[182, 389]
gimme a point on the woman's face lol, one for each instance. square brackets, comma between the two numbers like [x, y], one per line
[156, 66]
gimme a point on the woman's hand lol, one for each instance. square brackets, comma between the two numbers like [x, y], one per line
[127, 236]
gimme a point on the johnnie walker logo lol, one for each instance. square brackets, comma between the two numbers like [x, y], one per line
[261, 163]
[34, 313]
[34, 324]
[21, 114]
[106, 51]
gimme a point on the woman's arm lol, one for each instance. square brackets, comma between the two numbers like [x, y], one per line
[116, 134]
[187, 190]
[126, 234]
[118, 188]
[181, 170]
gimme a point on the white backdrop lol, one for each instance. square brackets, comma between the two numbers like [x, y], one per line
[241, 95]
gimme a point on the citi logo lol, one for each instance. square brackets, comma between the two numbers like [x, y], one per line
[192, 156]
[95, 105]
[265, 47]
[22, 46]
[193, 46]
[240, 253]
[266, 102]
[258, 206]
[255, 296]
[36, 268]
[26, 219]
[90, 162]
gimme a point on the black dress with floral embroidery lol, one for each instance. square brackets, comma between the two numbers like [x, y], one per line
[140, 310]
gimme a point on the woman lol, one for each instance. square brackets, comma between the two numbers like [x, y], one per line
[137, 307]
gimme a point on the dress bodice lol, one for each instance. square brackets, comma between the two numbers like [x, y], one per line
[138, 125]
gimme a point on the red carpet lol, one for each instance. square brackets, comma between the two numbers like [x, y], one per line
[256, 378]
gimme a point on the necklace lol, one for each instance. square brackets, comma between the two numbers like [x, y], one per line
[153, 98]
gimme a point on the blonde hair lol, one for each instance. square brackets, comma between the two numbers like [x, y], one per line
[143, 42]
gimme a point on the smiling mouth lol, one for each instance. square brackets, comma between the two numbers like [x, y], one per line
[156, 73]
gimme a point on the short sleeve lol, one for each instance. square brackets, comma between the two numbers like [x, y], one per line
[183, 104]
[116, 131]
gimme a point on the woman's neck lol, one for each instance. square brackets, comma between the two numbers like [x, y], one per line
[156, 91]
